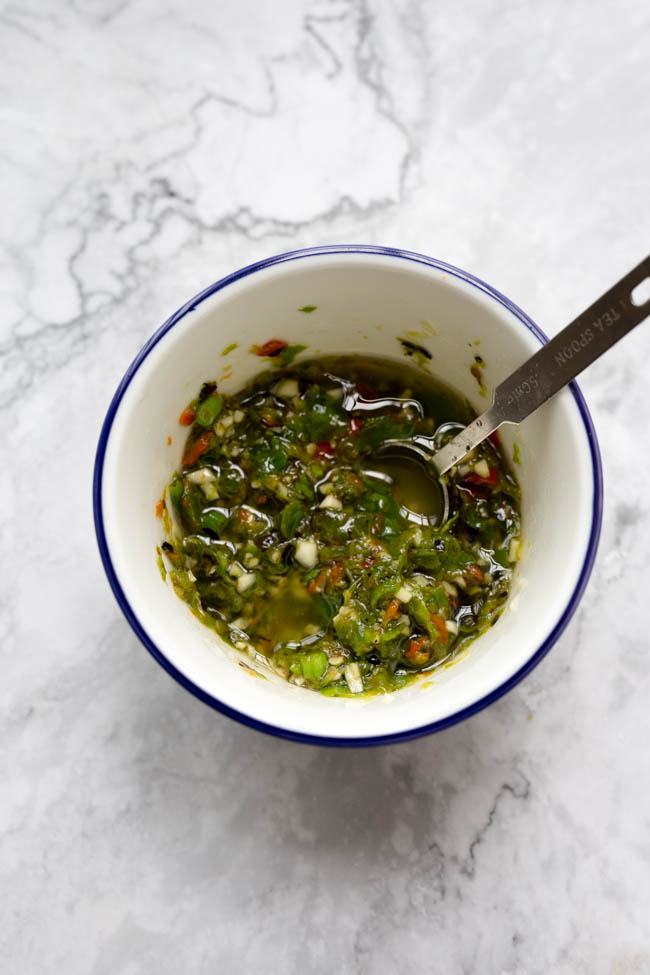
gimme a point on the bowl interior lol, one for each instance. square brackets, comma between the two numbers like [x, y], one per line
[364, 303]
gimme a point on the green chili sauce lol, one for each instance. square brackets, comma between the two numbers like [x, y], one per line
[300, 547]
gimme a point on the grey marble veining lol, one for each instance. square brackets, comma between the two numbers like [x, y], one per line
[146, 150]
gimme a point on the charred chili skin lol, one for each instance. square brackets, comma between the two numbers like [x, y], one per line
[281, 540]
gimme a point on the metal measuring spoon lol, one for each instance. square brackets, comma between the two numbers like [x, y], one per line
[588, 336]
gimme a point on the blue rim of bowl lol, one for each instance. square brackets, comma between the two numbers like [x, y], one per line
[245, 719]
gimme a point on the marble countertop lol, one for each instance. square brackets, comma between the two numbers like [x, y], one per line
[147, 150]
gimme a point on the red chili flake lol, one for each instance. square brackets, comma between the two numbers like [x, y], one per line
[439, 623]
[474, 478]
[324, 449]
[366, 391]
[169, 441]
[355, 425]
[331, 573]
[199, 447]
[244, 515]
[262, 498]
[418, 653]
[159, 508]
[187, 418]
[392, 610]
[319, 583]
[367, 563]
[475, 571]
[495, 439]
[271, 348]
[336, 573]
[379, 521]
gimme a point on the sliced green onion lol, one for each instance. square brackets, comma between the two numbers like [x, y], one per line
[209, 410]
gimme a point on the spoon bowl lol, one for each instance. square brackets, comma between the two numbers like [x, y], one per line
[423, 496]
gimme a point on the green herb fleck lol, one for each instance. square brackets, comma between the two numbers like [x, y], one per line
[501, 556]
[287, 355]
[308, 309]
[229, 348]
[516, 456]
[292, 516]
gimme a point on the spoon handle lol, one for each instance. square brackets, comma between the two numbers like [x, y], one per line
[559, 361]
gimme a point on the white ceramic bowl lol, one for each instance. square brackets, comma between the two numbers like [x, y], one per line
[366, 297]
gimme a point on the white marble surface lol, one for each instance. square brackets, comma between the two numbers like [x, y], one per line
[148, 148]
